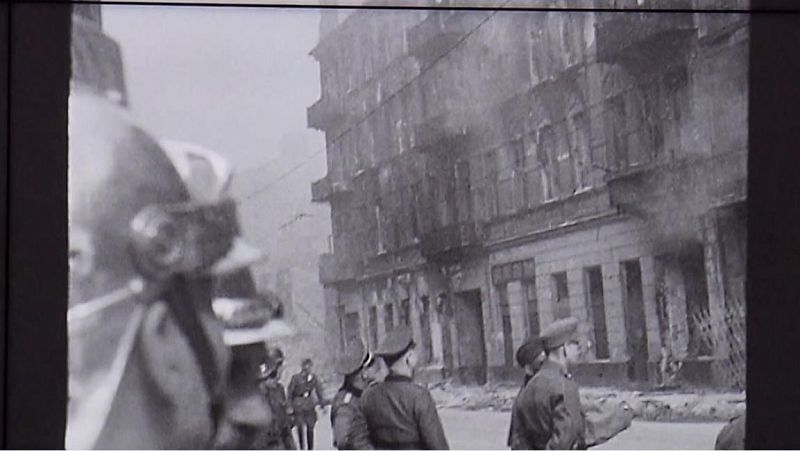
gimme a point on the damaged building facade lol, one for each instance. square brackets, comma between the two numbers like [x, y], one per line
[492, 171]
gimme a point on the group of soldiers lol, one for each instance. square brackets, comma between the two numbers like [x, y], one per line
[155, 363]
[397, 413]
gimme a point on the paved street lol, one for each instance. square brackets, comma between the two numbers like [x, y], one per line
[488, 430]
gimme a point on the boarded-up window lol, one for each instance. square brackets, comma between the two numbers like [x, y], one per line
[579, 141]
[388, 318]
[352, 327]
[489, 177]
[534, 187]
[533, 307]
[505, 314]
[547, 155]
[342, 328]
[595, 305]
[509, 168]
[616, 136]
[373, 326]
[565, 163]
[560, 295]
[425, 326]
[405, 312]
[463, 204]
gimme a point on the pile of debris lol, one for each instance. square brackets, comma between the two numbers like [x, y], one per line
[676, 405]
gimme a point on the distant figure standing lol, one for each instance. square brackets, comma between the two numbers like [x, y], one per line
[302, 388]
[279, 433]
[401, 414]
[357, 365]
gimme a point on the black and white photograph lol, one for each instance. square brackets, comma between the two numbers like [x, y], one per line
[427, 224]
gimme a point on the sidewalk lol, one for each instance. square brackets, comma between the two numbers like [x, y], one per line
[693, 406]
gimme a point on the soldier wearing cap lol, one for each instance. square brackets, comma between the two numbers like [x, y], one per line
[600, 426]
[279, 433]
[530, 357]
[305, 394]
[547, 412]
[357, 365]
[401, 414]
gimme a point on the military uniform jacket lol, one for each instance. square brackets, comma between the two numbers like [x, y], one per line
[402, 415]
[547, 412]
[279, 431]
[732, 436]
[348, 422]
[301, 389]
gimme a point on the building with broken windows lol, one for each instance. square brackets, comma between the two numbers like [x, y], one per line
[492, 171]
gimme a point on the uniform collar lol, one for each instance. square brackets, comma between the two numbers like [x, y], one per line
[394, 377]
[549, 365]
[350, 389]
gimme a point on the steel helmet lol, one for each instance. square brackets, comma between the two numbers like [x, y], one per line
[135, 236]
[249, 316]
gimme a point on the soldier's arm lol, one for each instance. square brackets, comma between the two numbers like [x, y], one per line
[342, 424]
[290, 388]
[350, 428]
[430, 426]
[360, 430]
[562, 436]
[603, 426]
[319, 392]
[517, 439]
[228, 437]
[288, 438]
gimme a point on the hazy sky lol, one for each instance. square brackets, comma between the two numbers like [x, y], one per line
[237, 80]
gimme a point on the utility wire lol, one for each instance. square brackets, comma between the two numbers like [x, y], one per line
[378, 107]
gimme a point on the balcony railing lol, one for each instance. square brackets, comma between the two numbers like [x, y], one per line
[438, 33]
[325, 114]
[439, 133]
[334, 269]
[621, 34]
[325, 189]
[451, 242]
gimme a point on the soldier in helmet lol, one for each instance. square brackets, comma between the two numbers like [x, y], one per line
[147, 359]
[357, 365]
[305, 394]
[401, 414]
[251, 319]
[278, 434]
[250, 322]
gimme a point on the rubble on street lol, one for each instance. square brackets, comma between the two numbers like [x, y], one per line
[669, 406]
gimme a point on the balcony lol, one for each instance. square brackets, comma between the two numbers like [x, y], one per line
[442, 132]
[433, 37]
[335, 269]
[325, 189]
[324, 114]
[641, 36]
[450, 244]
[691, 183]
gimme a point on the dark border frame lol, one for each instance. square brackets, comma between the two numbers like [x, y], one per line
[33, 235]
